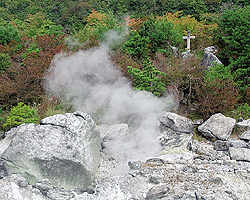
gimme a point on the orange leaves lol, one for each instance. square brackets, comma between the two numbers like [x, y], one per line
[135, 24]
[203, 33]
[96, 18]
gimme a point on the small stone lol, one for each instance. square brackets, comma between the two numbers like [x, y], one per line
[157, 192]
[19, 180]
[154, 179]
[239, 154]
[238, 144]
[155, 161]
[245, 135]
[134, 165]
[220, 145]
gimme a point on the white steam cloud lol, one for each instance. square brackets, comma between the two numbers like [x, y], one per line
[89, 80]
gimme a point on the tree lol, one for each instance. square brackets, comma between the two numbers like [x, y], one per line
[8, 33]
[217, 92]
[233, 36]
[4, 62]
[148, 79]
[153, 35]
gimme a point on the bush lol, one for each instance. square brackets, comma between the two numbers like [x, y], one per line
[4, 62]
[148, 79]
[242, 111]
[234, 43]
[217, 92]
[19, 115]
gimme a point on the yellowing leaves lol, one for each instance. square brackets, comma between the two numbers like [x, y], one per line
[96, 18]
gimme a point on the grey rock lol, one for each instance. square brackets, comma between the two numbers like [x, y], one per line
[65, 149]
[43, 186]
[203, 148]
[238, 144]
[186, 54]
[19, 180]
[243, 125]
[190, 169]
[134, 165]
[239, 154]
[209, 58]
[155, 162]
[176, 122]
[60, 194]
[220, 145]
[154, 179]
[245, 135]
[3, 171]
[217, 127]
[186, 196]
[157, 192]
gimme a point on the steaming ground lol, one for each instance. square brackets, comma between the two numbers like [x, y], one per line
[89, 80]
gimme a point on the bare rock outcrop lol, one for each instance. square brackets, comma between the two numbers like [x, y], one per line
[64, 149]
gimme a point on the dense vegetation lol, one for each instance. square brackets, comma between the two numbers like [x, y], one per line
[32, 32]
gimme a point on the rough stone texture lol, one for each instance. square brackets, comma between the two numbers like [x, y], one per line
[9, 190]
[243, 125]
[157, 192]
[218, 127]
[176, 122]
[203, 148]
[239, 154]
[238, 144]
[112, 132]
[64, 149]
[209, 171]
[220, 145]
[209, 58]
[245, 135]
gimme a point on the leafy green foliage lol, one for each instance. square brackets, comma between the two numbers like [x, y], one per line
[148, 79]
[8, 33]
[97, 24]
[19, 115]
[154, 35]
[233, 36]
[4, 62]
[243, 111]
[217, 92]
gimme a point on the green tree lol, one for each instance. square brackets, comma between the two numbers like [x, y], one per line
[148, 79]
[217, 92]
[8, 33]
[19, 115]
[4, 62]
[154, 35]
[233, 36]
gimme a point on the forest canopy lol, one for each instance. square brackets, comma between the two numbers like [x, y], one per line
[32, 32]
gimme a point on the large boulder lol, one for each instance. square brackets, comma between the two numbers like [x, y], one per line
[176, 122]
[239, 154]
[175, 130]
[217, 127]
[64, 149]
[209, 58]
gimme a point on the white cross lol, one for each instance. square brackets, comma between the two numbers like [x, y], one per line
[188, 37]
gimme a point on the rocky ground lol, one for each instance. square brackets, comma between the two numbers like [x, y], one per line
[214, 168]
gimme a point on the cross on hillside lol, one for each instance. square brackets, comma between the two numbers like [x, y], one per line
[188, 37]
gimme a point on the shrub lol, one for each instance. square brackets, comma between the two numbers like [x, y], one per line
[217, 92]
[148, 79]
[19, 115]
[242, 111]
[4, 62]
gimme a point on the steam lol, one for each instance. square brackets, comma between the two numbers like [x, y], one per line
[89, 80]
